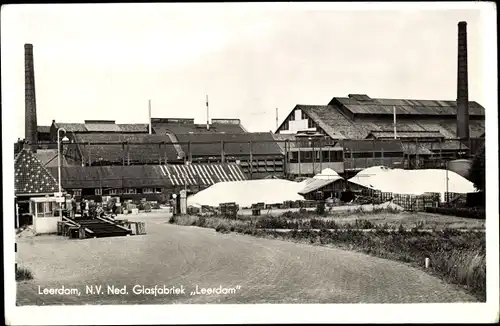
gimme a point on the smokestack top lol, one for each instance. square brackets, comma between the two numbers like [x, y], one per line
[462, 23]
[28, 46]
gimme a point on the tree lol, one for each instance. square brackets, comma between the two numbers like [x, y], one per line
[478, 170]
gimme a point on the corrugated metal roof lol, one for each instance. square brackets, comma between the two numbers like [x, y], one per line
[267, 146]
[31, 177]
[72, 127]
[153, 147]
[339, 126]
[313, 184]
[134, 127]
[407, 134]
[43, 129]
[102, 127]
[48, 157]
[412, 107]
[81, 177]
[186, 128]
[389, 145]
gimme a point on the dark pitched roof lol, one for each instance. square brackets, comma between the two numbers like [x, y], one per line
[71, 127]
[134, 127]
[186, 128]
[102, 127]
[80, 177]
[43, 129]
[332, 121]
[48, 157]
[31, 177]
[389, 145]
[237, 144]
[338, 126]
[111, 148]
[363, 104]
[96, 126]
[407, 134]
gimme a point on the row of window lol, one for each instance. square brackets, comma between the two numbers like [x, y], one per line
[372, 154]
[336, 156]
[127, 191]
[315, 156]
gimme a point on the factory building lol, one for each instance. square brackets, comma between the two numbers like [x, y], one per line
[419, 133]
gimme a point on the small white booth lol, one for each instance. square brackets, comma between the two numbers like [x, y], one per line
[44, 211]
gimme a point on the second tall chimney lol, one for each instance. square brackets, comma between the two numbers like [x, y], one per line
[462, 84]
[30, 126]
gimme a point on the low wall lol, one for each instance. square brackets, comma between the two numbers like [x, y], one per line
[45, 225]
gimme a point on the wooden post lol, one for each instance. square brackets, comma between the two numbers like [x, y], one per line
[300, 168]
[190, 156]
[159, 153]
[251, 159]
[128, 154]
[90, 161]
[165, 153]
[320, 157]
[416, 156]
[343, 153]
[123, 153]
[373, 149]
[222, 157]
[440, 150]
[287, 158]
[313, 158]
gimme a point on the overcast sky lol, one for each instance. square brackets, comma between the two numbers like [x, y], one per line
[106, 61]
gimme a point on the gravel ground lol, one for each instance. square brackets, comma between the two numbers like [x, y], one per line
[252, 270]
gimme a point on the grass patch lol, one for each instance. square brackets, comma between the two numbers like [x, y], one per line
[23, 274]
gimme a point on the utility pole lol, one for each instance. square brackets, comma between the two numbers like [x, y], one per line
[208, 122]
[394, 114]
[149, 115]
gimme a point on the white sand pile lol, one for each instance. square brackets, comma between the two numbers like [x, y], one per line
[246, 193]
[327, 174]
[415, 182]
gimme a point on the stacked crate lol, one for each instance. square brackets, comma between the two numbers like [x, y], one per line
[228, 210]
[256, 208]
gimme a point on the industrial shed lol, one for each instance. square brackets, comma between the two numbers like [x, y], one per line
[153, 182]
[358, 116]
[121, 148]
[429, 125]
[257, 150]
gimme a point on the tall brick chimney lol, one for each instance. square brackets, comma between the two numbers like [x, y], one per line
[462, 84]
[30, 127]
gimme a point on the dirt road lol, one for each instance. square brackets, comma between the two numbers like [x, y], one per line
[195, 265]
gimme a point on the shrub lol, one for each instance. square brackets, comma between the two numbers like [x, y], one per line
[222, 228]
[363, 224]
[320, 208]
[23, 273]
[473, 212]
